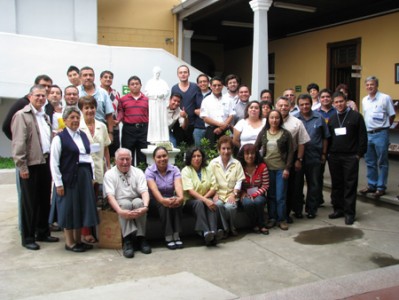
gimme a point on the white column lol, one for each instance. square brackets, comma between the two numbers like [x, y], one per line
[187, 45]
[260, 51]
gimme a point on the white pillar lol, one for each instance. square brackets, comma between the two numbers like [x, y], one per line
[187, 45]
[260, 51]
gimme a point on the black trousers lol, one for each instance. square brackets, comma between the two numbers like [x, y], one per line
[134, 138]
[295, 198]
[211, 136]
[35, 203]
[183, 135]
[344, 170]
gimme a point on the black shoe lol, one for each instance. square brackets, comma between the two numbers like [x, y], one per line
[48, 239]
[128, 251]
[336, 215]
[349, 220]
[85, 246]
[144, 246]
[171, 245]
[32, 246]
[289, 220]
[179, 244]
[75, 248]
[367, 190]
[298, 215]
[311, 216]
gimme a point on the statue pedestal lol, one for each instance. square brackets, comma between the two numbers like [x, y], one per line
[150, 149]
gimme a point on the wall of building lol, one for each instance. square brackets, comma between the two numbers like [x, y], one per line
[303, 59]
[72, 20]
[137, 24]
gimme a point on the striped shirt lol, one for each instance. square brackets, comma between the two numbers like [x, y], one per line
[259, 179]
[131, 110]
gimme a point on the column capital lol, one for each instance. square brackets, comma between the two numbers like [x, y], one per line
[260, 4]
[188, 33]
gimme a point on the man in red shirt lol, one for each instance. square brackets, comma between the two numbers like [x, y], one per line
[133, 113]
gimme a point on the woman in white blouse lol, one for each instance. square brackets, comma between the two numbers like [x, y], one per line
[246, 130]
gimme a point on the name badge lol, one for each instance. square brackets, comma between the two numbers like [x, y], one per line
[340, 131]
[378, 116]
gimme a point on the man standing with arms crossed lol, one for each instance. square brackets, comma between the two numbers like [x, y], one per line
[379, 113]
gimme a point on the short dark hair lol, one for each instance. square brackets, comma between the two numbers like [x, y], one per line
[57, 87]
[223, 140]
[338, 94]
[190, 153]
[87, 100]
[134, 77]
[266, 91]
[86, 68]
[43, 77]
[202, 75]
[328, 91]
[266, 103]
[176, 95]
[106, 72]
[230, 77]
[248, 148]
[72, 68]
[312, 86]
[304, 97]
[216, 78]
[70, 87]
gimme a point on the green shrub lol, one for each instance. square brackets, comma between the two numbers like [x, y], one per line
[6, 163]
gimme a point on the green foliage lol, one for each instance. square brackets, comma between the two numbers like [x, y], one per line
[209, 149]
[142, 166]
[6, 163]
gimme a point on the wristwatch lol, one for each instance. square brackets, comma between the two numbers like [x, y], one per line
[300, 159]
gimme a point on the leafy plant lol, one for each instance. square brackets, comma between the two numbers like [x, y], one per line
[209, 149]
[6, 163]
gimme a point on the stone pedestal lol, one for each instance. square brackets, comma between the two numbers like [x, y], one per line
[150, 149]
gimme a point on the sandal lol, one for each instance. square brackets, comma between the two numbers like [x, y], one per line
[89, 239]
[264, 231]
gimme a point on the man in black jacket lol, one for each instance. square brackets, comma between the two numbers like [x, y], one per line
[348, 143]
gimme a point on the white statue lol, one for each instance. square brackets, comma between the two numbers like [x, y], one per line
[157, 91]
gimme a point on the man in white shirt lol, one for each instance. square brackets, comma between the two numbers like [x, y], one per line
[175, 113]
[126, 189]
[379, 113]
[216, 111]
[232, 83]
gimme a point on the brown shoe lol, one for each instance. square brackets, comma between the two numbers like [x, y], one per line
[366, 190]
[283, 225]
[379, 193]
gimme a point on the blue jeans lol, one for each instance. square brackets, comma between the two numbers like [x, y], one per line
[277, 195]
[377, 160]
[255, 210]
[198, 134]
[172, 139]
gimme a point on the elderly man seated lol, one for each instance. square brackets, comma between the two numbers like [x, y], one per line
[126, 189]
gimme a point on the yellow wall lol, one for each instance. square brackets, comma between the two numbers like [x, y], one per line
[138, 23]
[303, 59]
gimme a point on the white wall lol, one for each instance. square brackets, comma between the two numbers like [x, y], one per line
[74, 20]
[25, 57]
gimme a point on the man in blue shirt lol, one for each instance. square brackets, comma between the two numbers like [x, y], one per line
[315, 154]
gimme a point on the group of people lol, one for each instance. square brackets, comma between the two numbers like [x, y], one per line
[68, 145]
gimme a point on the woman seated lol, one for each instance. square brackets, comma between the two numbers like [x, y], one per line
[166, 195]
[72, 170]
[198, 186]
[246, 130]
[229, 175]
[275, 143]
[254, 187]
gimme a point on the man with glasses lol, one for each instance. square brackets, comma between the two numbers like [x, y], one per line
[31, 138]
[290, 95]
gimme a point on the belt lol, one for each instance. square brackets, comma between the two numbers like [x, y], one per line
[137, 125]
[377, 130]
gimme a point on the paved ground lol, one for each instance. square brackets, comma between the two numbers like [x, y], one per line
[314, 259]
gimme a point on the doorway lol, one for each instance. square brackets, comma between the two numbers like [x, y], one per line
[340, 57]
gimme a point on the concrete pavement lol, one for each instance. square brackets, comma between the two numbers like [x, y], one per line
[314, 259]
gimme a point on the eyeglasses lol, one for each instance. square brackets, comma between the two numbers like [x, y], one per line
[289, 95]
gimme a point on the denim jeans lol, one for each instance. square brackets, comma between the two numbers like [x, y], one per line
[198, 134]
[277, 195]
[255, 210]
[172, 139]
[377, 160]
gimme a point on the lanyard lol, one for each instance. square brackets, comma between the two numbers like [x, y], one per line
[343, 121]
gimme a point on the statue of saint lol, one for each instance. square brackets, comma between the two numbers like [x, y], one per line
[157, 91]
